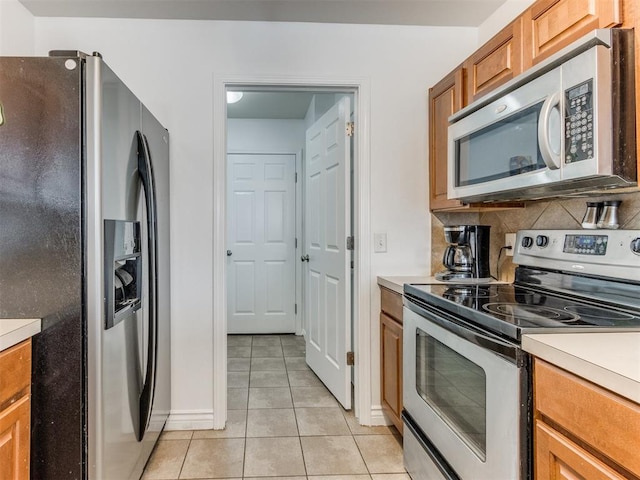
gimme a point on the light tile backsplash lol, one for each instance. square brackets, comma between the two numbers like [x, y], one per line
[564, 213]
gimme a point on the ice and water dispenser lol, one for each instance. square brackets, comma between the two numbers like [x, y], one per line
[123, 270]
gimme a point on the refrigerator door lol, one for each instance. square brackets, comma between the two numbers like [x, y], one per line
[122, 354]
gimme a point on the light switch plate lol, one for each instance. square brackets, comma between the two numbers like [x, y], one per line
[379, 242]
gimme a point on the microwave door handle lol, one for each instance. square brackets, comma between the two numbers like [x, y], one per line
[550, 158]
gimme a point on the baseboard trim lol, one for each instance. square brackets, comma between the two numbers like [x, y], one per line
[190, 420]
[378, 417]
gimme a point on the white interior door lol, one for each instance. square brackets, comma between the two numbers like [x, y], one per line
[327, 225]
[261, 243]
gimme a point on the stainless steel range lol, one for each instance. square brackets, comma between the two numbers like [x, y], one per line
[467, 382]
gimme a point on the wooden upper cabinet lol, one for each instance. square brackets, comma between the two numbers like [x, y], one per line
[496, 62]
[550, 25]
[445, 98]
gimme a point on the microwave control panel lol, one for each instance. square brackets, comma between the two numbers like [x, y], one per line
[578, 122]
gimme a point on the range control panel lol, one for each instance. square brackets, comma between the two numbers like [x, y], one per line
[586, 244]
[610, 253]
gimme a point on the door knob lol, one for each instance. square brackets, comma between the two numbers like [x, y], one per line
[304, 258]
[229, 253]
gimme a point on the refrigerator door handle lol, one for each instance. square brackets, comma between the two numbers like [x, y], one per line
[145, 171]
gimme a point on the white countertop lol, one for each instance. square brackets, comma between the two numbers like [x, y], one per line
[14, 331]
[611, 360]
[396, 283]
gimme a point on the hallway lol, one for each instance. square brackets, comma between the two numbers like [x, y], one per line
[282, 423]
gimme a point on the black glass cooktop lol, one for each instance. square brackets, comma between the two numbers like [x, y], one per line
[512, 310]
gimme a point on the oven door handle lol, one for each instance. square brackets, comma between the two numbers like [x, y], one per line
[467, 331]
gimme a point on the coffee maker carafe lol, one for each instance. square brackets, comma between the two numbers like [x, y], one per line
[467, 255]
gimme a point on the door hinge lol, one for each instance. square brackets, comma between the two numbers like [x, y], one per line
[350, 129]
[350, 242]
[296, 177]
[295, 308]
[296, 243]
[351, 264]
[351, 359]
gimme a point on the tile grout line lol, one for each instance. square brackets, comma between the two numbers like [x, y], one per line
[295, 415]
[246, 417]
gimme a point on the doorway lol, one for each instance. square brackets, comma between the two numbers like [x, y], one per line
[360, 259]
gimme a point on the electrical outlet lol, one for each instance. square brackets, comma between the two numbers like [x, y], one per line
[510, 241]
[380, 242]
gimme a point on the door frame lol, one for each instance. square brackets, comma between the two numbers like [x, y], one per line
[362, 284]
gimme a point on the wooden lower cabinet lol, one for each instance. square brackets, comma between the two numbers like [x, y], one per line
[15, 411]
[582, 431]
[559, 458]
[391, 355]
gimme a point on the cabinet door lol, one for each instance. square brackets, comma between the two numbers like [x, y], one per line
[550, 25]
[14, 440]
[558, 458]
[391, 367]
[496, 62]
[445, 98]
[579, 407]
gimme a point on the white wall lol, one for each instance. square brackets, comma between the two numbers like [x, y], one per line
[171, 65]
[501, 17]
[16, 29]
[265, 135]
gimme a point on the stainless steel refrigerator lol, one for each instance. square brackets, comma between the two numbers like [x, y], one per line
[84, 245]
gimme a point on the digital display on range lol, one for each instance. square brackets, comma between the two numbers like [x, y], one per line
[586, 244]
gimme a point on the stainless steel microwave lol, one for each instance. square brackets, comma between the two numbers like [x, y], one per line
[563, 127]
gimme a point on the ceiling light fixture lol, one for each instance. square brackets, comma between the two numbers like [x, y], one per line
[233, 97]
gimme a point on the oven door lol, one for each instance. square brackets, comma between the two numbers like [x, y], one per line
[467, 394]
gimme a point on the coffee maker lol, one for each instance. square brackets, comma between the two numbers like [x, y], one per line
[466, 258]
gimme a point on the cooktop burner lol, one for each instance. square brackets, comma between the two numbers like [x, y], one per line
[530, 312]
[512, 309]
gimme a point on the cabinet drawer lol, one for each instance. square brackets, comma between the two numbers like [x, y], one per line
[391, 303]
[15, 365]
[602, 419]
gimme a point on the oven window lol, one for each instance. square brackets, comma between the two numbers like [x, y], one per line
[503, 149]
[455, 388]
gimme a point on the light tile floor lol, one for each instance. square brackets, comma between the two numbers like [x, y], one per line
[282, 423]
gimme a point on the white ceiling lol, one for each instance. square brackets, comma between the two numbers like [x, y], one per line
[470, 13]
